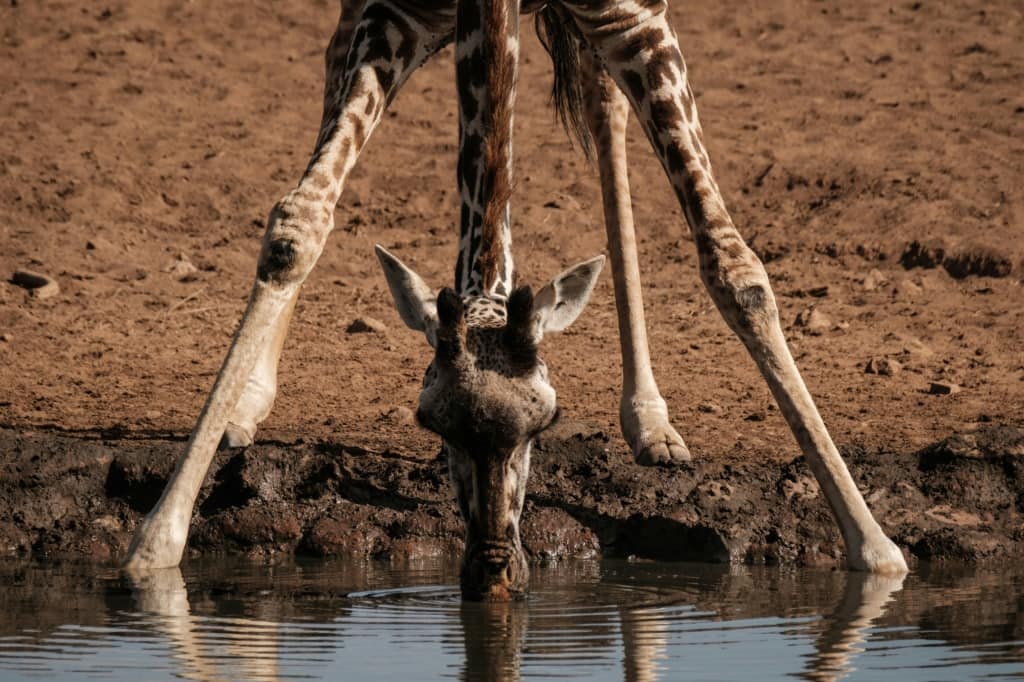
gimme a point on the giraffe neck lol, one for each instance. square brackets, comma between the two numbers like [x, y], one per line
[486, 66]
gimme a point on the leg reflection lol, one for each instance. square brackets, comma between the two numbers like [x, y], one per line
[643, 643]
[161, 593]
[846, 629]
[249, 647]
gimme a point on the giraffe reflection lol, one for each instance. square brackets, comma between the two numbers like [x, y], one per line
[864, 601]
[248, 650]
[498, 636]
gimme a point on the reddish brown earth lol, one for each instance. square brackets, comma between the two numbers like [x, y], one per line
[872, 154]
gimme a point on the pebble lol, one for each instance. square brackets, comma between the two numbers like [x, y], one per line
[874, 280]
[6, 338]
[883, 366]
[363, 325]
[98, 244]
[943, 388]
[182, 268]
[39, 285]
[399, 415]
[814, 321]
[710, 408]
[906, 290]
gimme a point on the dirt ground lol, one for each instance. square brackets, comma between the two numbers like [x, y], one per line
[873, 154]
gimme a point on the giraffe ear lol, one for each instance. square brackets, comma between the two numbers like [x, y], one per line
[416, 305]
[562, 300]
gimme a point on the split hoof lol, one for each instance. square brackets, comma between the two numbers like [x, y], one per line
[666, 452]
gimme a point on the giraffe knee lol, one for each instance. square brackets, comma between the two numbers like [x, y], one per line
[293, 242]
[742, 293]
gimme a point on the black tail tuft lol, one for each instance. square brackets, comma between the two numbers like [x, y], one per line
[563, 45]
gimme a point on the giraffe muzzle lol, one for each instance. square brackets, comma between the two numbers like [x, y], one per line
[494, 573]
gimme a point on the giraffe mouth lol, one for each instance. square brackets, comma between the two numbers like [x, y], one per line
[494, 572]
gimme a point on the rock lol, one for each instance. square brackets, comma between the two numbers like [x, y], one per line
[818, 292]
[39, 285]
[814, 321]
[874, 280]
[182, 269]
[710, 408]
[906, 290]
[564, 202]
[943, 388]
[399, 415]
[98, 244]
[883, 366]
[6, 338]
[363, 325]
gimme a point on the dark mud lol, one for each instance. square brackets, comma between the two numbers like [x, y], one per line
[81, 496]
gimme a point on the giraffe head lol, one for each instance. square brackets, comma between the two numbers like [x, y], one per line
[486, 393]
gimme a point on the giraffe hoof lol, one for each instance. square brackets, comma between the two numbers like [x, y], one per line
[236, 436]
[664, 453]
[880, 556]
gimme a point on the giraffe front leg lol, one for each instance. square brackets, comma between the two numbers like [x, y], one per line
[640, 51]
[261, 387]
[388, 44]
[643, 412]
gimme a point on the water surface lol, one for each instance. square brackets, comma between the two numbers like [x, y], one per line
[605, 620]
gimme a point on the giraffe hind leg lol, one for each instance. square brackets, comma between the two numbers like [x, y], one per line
[639, 49]
[643, 413]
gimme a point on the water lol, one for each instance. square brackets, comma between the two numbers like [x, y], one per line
[593, 621]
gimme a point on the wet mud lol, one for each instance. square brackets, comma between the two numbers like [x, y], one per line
[82, 495]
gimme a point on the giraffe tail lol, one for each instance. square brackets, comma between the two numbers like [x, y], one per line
[558, 35]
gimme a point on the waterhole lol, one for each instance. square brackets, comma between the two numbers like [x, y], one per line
[601, 620]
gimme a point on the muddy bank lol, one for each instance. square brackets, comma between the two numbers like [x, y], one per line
[78, 496]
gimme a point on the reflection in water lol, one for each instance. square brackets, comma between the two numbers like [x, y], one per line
[494, 635]
[845, 631]
[612, 620]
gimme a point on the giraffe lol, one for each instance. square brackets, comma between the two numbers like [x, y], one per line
[486, 392]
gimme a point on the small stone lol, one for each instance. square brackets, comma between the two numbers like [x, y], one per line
[399, 415]
[814, 321]
[564, 202]
[943, 388]
[906, 290]
[6, 338]
[38, 285]
[182, 268]
[710, 408]
[874, 280]
[98, 244]
[886, 367]
[363, 325]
